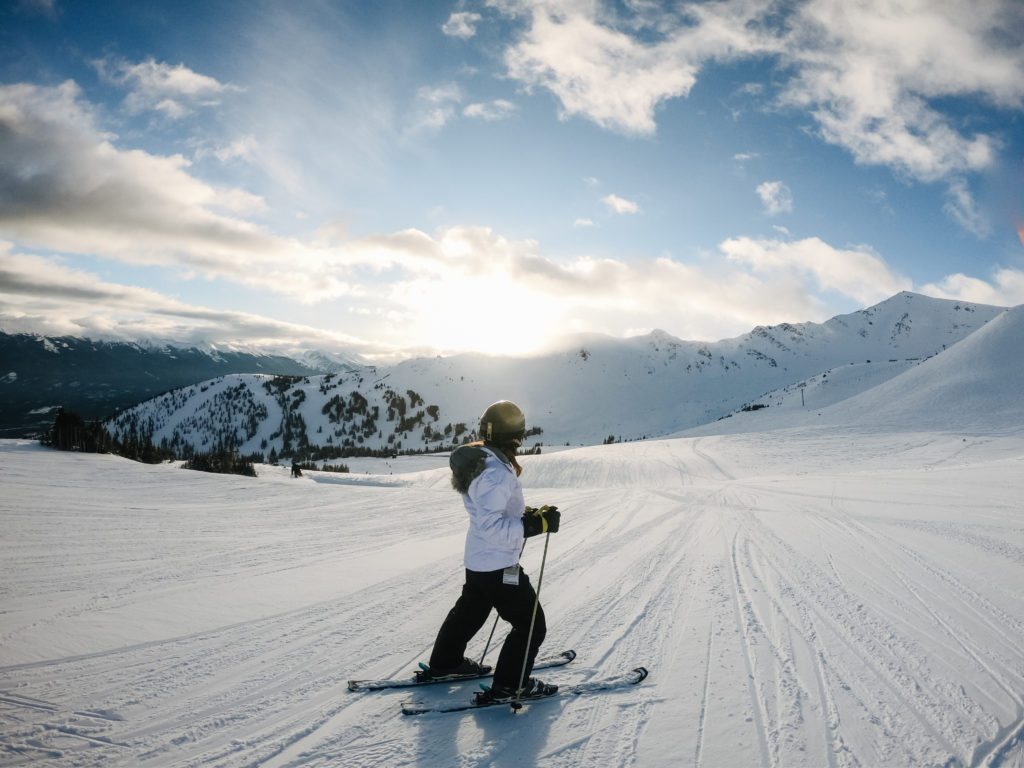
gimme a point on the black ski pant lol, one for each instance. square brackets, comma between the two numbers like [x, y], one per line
[482, 591]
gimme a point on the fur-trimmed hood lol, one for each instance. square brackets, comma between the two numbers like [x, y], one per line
[468, 461]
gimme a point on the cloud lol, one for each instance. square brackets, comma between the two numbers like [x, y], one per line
[742, 157]
[871, 73]
[1005, 289]
[409, 292]
[583, 223]
[960, 206]
[40, 295]
[245, 148]
[620, 204]
[66, 187]
[858, 273]
[776, 197]
[462, 25]
[618, 75]
[172, 90]
[755, 282]
[435, 106]
[874, 76]
[499, 109]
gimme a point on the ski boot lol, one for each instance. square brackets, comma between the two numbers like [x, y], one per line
[466, 668]
[532, 689]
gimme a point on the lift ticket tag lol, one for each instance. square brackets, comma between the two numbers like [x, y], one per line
[510, 576]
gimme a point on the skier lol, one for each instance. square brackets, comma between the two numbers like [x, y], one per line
[487, 476]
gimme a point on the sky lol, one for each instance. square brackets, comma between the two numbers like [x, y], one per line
[391, 179]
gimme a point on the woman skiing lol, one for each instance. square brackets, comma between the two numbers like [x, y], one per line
[487, 476]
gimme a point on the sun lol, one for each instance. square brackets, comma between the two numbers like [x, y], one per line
[490, 314]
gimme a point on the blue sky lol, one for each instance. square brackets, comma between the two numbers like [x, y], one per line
[397, 178]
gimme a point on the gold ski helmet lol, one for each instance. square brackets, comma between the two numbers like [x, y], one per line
[503, 422]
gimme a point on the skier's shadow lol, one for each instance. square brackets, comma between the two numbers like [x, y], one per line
[514, 740]
[495, 736]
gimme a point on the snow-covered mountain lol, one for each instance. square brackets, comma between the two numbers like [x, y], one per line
[973, 386]
[641, 387]
[94, 378]
[329, 362]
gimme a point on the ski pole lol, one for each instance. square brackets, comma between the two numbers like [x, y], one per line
[533, 618]
[490, 637]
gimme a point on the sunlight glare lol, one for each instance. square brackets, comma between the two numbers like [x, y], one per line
[490, 314]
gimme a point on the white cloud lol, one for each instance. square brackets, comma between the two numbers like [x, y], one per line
[960, 206]
[613, 77]
[73, 191]
[583, 223]
[742, 157]
[776, 197]
[498, 109]
[243, 148]
[68, 188]
[857, 273]
[1006, 288]
[429, 276]
[462, 25]
[620, 204]
[41, 295]
[754, 282]
[871, 73]
[435, 106]
[170, 89]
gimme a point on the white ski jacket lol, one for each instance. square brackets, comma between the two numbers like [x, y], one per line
[495, 505]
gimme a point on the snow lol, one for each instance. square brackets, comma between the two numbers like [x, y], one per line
[806, 596]
[829, 582]
[972, 386]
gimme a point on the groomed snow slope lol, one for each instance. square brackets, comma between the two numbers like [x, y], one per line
[830, 598]
[974, 386]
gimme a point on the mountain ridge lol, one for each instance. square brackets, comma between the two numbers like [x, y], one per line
[646, 386]
[95, 377]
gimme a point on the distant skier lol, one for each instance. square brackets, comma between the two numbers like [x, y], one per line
[487, 476]
[296, 470]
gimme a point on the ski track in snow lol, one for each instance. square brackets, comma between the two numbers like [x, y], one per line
[822, 600]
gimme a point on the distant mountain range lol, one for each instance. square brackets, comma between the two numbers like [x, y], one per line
[618, 389]
[95, 378]
[973, 387]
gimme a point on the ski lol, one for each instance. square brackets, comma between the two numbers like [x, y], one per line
[544, 662]
[604, 684]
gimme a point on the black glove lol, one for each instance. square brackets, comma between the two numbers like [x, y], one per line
[543, 520]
